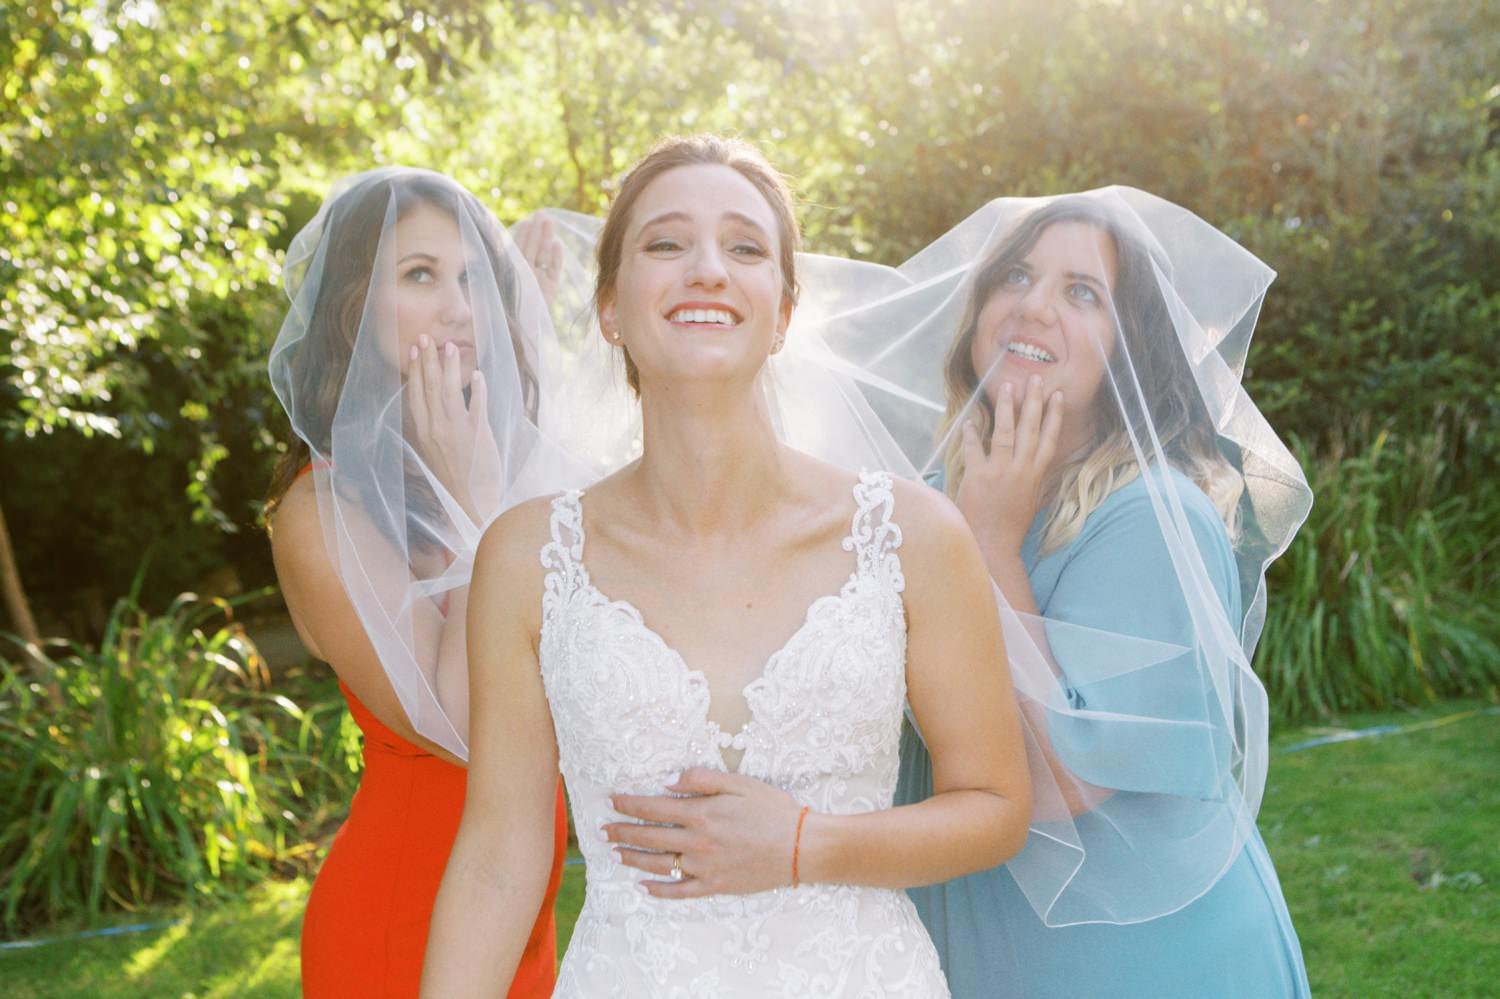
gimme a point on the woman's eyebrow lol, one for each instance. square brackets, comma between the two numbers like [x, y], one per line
[417, 254]
[1086, 277]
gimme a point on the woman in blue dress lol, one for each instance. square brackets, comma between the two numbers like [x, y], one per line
[1123, 491]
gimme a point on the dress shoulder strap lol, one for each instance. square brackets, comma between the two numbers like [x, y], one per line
[562, 555]
[873, 537]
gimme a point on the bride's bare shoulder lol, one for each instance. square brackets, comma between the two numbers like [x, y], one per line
[514, 540]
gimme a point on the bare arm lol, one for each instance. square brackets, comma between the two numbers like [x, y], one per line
[497, 873]
[330, 627]
[959, 688]
[1000, 495]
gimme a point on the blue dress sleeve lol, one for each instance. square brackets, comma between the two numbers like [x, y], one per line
[1144, 710]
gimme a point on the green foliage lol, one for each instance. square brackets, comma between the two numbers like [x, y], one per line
[155, 158]
[159, 768]
[1382, 907]
[1378, 601]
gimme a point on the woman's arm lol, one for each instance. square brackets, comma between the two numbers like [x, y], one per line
[497, 873]
[330, 627]
[739, 834]
[958, 685]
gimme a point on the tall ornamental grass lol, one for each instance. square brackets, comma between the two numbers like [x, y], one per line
[156, 767]
[1386, 597]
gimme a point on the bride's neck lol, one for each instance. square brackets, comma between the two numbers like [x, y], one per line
[708, 461]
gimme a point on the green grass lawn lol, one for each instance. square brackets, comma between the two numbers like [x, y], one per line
[1387, 849]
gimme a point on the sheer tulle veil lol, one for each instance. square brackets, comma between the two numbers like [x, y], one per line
[398, 534]
[1218, 487]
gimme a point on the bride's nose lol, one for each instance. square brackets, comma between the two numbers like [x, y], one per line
[706, 267]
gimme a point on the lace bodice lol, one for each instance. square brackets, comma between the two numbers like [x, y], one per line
[825, 719]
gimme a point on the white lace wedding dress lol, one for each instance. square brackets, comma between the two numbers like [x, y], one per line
[825, 726]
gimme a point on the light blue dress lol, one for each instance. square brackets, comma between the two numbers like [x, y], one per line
[1235, 940]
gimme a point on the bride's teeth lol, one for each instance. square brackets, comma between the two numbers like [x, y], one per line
[717, 316]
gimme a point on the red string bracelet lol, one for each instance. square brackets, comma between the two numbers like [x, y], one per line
[797, 844]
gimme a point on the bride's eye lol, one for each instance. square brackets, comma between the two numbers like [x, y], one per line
[419, 275]
[1016, 277]
[663, 245]
[748, 249]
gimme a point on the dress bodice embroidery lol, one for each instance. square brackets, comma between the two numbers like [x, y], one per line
[825, 720]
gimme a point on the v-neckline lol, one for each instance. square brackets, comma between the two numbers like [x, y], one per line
[849, 543]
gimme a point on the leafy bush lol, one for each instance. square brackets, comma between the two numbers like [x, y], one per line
[1379, 601]
[156, 767]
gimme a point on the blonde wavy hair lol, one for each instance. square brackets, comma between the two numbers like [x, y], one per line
[1153, 385]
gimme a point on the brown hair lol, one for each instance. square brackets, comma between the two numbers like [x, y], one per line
[354, 223]
[696, 150]
[1155, 384]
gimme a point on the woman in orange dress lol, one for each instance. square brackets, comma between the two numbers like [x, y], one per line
[402, 361]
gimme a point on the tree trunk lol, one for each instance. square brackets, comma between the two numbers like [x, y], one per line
[15, 595]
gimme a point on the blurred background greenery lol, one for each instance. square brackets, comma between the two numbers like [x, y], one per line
[156, 157]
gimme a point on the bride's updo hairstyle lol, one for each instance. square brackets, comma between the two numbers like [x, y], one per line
[696, 150]
[1147, 363]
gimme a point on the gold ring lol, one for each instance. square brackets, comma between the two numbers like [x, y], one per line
[676, 867]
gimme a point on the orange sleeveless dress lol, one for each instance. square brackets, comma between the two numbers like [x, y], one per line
[365, 931]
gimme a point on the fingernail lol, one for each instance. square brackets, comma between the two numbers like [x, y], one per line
[1005, 390]
[1057, 397]
[674, 778]
[603, 835]
[412, 354]
[1035, 380]
[449, 349]
[478, 376]
[424, 341]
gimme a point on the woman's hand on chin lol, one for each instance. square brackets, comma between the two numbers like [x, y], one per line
[735, 835]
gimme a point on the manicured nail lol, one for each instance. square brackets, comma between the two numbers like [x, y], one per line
[1057, 397]
[412, 354]
[424, 341]
[603, 835]
[1005, 390]
[1034, 381]
[449, 349]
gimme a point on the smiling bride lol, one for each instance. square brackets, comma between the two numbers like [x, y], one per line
[724, 603]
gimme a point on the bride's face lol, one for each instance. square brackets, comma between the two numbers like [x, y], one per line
[700, 295]
[1051, 316]
[430, 296]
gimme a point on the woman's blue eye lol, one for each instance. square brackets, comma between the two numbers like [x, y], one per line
[419, 275]
[1017, 275]
[748, 250]
[1084, 293]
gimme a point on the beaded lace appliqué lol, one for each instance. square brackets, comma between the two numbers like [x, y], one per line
[825, 720]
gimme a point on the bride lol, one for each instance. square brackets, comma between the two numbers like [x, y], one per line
[724, 602]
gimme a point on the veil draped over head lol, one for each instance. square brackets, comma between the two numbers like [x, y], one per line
[1170, 496]
[409, 470]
